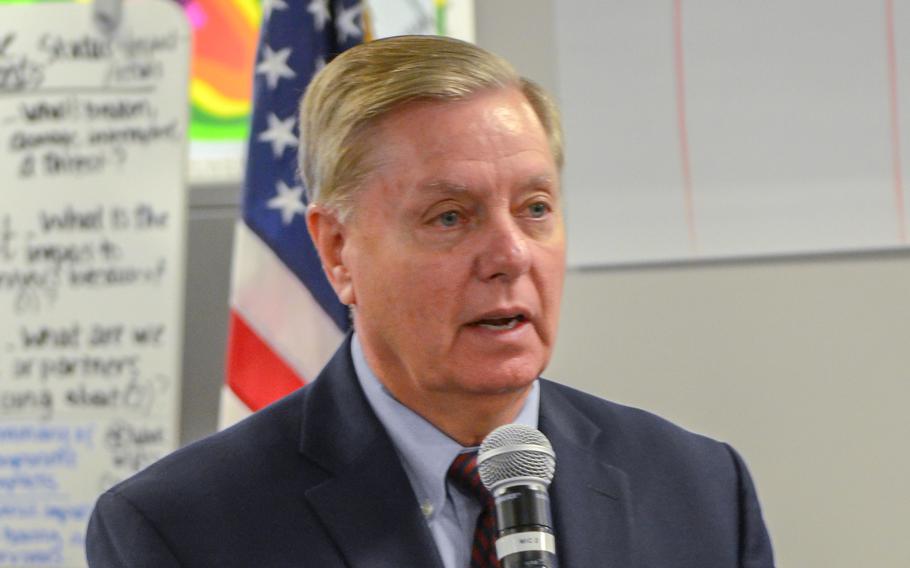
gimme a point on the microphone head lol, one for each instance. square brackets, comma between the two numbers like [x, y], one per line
[514, 454]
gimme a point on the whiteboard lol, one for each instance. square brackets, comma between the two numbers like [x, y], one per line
[92, 236]
[717, 129]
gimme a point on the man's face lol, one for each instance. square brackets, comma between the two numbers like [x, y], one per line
[454, 256]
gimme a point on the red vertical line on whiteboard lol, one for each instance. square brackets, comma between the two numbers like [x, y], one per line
[681, 124]
[895, 124]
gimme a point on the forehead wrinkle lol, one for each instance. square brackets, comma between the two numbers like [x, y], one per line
[444, 187]
[542, 181]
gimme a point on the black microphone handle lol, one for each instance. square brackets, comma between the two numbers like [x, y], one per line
[525, 528]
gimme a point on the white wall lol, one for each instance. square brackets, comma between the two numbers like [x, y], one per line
[800, 363]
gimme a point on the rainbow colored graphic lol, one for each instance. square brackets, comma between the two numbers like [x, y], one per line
[225, 33]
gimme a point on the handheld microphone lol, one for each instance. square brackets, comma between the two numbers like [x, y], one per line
[516, 464]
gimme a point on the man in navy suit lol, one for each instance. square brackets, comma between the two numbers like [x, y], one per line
[434, 179]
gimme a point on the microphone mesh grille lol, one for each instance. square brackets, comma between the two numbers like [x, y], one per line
[519, 463]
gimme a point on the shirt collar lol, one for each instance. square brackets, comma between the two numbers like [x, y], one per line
[425, 451]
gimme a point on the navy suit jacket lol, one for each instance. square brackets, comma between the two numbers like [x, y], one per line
[313, 481]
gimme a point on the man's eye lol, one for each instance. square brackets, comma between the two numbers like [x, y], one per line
[538, 209]
[449, 218]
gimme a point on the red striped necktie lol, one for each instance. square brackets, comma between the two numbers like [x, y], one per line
[463, 473]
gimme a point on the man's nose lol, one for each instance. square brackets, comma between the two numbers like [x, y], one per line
[506, 251]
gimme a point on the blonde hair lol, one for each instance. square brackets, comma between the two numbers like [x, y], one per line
[360, 86]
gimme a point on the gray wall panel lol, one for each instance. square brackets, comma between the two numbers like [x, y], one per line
[209, 239]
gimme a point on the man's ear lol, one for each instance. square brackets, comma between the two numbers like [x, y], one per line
[330, 235]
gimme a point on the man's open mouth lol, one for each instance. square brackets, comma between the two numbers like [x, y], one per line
[501, 324]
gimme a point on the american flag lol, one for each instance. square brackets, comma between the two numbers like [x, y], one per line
[285, 319]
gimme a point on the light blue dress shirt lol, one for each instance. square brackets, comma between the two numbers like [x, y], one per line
[426, 454]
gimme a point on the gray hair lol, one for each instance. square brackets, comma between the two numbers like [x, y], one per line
[363, 84]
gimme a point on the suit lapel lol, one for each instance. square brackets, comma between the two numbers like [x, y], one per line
[591, 499]
[367, 504]
[372, 514]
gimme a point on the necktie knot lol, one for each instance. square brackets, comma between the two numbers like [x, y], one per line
[464, 474]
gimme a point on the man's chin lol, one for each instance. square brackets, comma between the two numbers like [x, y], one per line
[492, 384]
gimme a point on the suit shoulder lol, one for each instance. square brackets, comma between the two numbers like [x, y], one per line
[631, 429]
[228, 457]
[670, 472]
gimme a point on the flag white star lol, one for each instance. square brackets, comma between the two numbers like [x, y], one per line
[346, 23]
[269, 6]
[289, 200]
[320, 11]
[274, 66]
[280, 134]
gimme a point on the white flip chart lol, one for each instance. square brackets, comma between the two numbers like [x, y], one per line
[92, 238]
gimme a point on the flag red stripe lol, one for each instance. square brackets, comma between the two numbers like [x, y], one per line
[256, 374]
